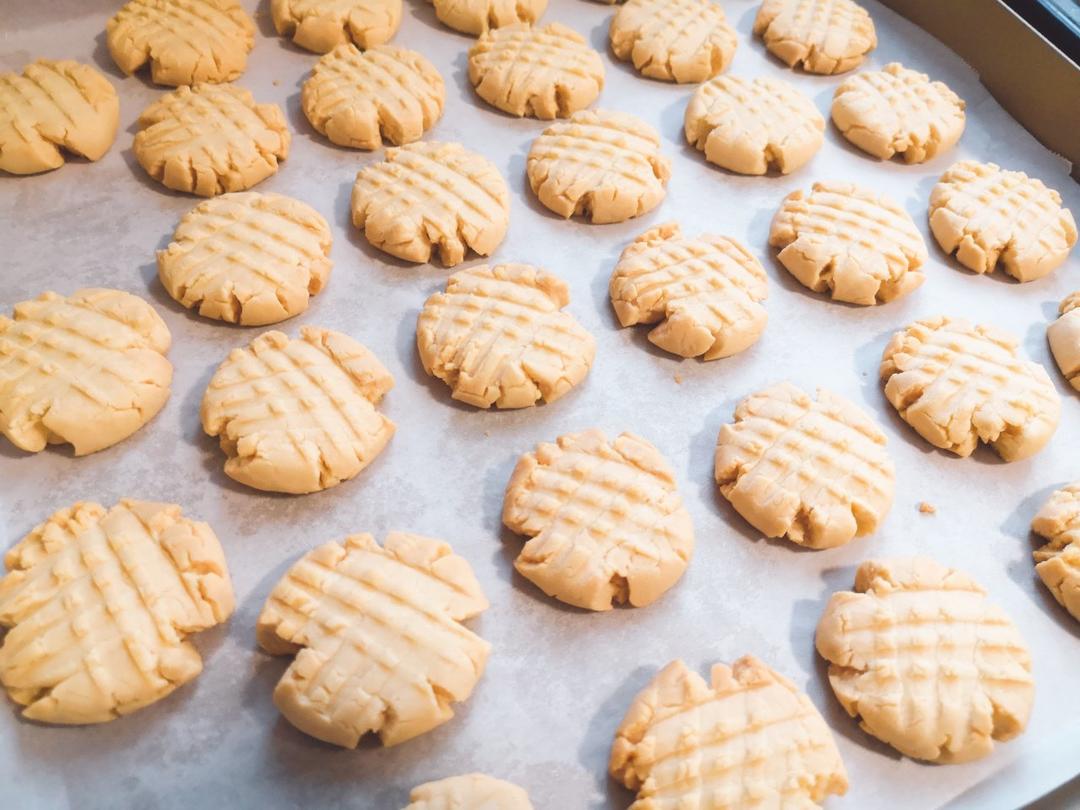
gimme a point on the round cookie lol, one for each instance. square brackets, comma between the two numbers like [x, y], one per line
[925, 661]
[546, 73]
[605, 521]
[1058, 562]
[473, 791]
[603, 165]
[247, 258]
[498, 336]
[322, 25]
[210, 139]
[861, 247]
[474, 17]
[752, 126]
[959, 384]
[1064, 337]
[821, 36]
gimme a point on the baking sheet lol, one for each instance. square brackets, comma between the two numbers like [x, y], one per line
[559, 679]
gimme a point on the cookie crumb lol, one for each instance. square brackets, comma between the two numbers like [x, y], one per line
[678, 379]
[276, 83]
[927, 508]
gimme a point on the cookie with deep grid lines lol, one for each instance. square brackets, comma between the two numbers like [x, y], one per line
[861, 247]
[88, 369]
[925, 661]
[603, 165]
[99, 604]
[545, 73]
[478, 16]
[821, 36]
[298, 415]
[747, 739]
[472, 791]
[1058, 562]
[987, 216]
[52, 106]
[499, 336]
[377, 635]
[210, 139]
[322, 25]
[605, 521]
[959, 384]
[673, 40]
[1064, 337]
[432, 196]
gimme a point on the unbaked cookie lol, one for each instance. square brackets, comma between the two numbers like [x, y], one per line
[605, 520]
[99, 604]
[322, 25]
[211, 138]
[959, 384]
[925, 662]
[498, 336]
[673, 40]
[823, 36]
[477, 16]
[473, 791]
[1064, 337]
[377, 637]
[861, 247]
[1058, 562]
[88, 369]
[298, 415]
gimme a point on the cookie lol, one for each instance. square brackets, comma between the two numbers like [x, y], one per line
[896, 111]
[752, 126]
[210, 139]
[359, 99]
[1064, 337]
[705, 291]
[185, 41]
[747, 739]
[475, 17]
[860, 247]
[298, 415]
[925, 661]
[53, 106]
[322, 25]
[673, 40]
[987, 216]
[547, 72]
[377, 637]
[87, 370]
[498, 336]
[959, 384]
[1058, 562]
[432, 196]
[605, 522]
[99, 603]
[821, 36]
[473, 791]
[605, 166]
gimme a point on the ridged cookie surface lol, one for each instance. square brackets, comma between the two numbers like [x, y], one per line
[1064, 337]
[821, 36]
[673, 40]
[322, 25]
[1058, 562]
[477, 16]
[472, 791]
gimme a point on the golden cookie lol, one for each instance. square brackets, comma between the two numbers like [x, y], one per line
[322, 25]
[473, 791]
[478, 16]
[1058, 562]
[673, 40]
[821, 36]
[1064, 337]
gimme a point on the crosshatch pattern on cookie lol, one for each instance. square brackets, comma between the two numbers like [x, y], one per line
[823, 36]
[1064, 337]
[475, 17]
[1058, 562]
[322, 25]
[673, 40]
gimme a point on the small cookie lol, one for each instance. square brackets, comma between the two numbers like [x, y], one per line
[546, 73]
[861, 247]
[498, 336]
[752, 126]
[298, 415]
[1058, 562]
[821, 36]
[475, 17]
[322, 25]
[603, 165]
[377, 637]
[896, 111]
[99, 603]
[428, 196]
[959, 384]
[472, 791]
[53, 105]
[1064, 337]
[247, 258]
[706, 292]
[88, 369]
[749, 739]
[605, 520]
[210, 139]
[925, 662]
[673, 40]
[988, 215]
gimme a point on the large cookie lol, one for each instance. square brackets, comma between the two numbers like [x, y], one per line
[322, 25]
[474, 17]
[823, 36]
[472, 791]
[1058, 562]
[1064, 337]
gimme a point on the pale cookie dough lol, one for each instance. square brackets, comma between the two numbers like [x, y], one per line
[377, 635]
[925, 662]
[603, 165]
[88, 369]
[673, 40]
[322, 25]
[747, 739]
[546, 73]
[499, 336]
[605, 520]
[705, 291]
[431, 196]
[822, 36]
[185, 41]
[99, 604]
[298, 415]
[473, 791]
[210, 139]
[752, 126]
[477, 16]
[860, 247]
[959, 384]
[359, 99]
[896, 111]
[1064, 337]
[987, 215]
[1058, 562]
[54, 105]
